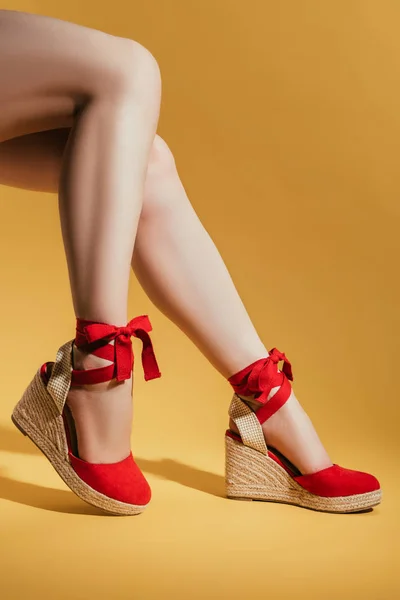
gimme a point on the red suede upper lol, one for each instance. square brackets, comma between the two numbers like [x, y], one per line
[338, 481]
[122, 481]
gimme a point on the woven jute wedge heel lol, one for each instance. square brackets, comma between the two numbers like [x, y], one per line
[42, 415]
[255, 472]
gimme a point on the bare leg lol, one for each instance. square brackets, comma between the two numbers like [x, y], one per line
[34, 162]
[181, 270]
[174, 252]
[48, 69]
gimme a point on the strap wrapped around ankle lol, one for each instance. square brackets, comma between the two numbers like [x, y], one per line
[260, 377]
[121, 353]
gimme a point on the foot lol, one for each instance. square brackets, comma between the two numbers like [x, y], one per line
[102, 413]
[292, 433]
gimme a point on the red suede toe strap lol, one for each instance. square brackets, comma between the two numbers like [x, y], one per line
[121, 481]
[337, 481]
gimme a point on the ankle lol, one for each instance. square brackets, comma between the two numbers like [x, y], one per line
[84, 359]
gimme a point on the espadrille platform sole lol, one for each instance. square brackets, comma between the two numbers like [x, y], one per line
[36, 417]
[43, 415]
[251, 475]
[255, 472]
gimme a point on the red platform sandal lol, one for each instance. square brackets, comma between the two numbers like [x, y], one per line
[254, 472]
[119, 488]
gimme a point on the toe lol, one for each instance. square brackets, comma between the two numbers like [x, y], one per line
[338, 481]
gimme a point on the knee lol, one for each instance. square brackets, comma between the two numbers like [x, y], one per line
[140, 70]
[163, 192]
[161, 160]
[131, 70]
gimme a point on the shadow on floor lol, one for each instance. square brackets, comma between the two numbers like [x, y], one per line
[30, 494]
[66, 502]
[186, 475]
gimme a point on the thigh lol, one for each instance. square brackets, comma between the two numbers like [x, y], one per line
[33, 161]
[49, 68]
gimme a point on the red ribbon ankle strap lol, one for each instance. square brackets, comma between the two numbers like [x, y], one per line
[261, 376]
[124, 359]
[265, 376]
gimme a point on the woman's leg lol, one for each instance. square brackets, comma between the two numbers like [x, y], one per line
[48, 69]
[181, 270]
[34, 162]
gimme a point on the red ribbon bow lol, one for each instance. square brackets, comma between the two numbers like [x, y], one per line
[265, 376]
[124, 358]
[261, 376]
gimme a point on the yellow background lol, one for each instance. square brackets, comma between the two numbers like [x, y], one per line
[284, 118]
